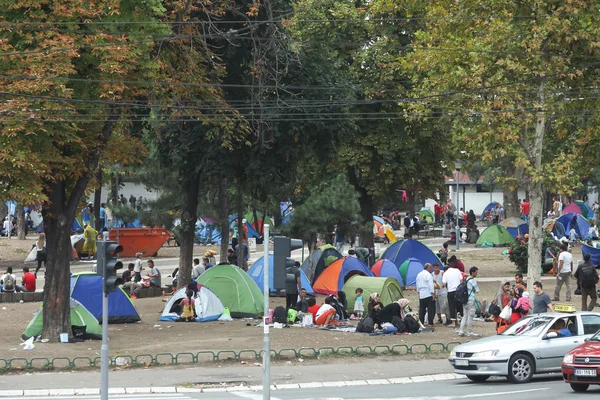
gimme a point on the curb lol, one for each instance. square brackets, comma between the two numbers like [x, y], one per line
[240, 388]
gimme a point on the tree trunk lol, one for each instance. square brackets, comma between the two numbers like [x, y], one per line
[224, 218]
[311, 249]
[536, 238]
[20, 223]
[189, 216]
[256, 223]
[367, 208]
[98, 200]
[240, 217]
[511, 202]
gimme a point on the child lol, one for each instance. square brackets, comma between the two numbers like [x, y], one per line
[313, 307]
[359, 307]
[573, 236]
[187, 314]
[523, 304]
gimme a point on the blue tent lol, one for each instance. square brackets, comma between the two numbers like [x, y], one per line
[75, 227]
[488, 207]
[402, 250]
[87, 288]
[204, 229]
[593, 252]
[581, 225]
[521, 230]
[257, 274]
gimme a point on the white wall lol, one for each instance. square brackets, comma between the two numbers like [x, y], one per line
[128, 189]
[474, 201]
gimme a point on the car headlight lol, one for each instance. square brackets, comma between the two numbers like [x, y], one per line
[488, 353]
[453, 353]
[568, 359]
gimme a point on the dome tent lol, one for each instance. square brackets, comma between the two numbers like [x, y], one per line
[207, 305]
[236, 290]
[385, 268]
[257, 274]
[495, 234]
[80, 316]
[333, 278]
[87, 288]
[410, 248]
[515, 226]
[581, 226]
[321, 259]
[409, 271]
[488, 207]
[388, 289]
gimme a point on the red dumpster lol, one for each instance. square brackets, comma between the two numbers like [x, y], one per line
[140, 240]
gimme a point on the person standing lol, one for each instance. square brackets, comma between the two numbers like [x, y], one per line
[469, 308]
[89, 246]
[563, 272]
[426, 290]
[408, 223]
[138, 267]
[102, 217]
[541, 301]
[587, 277]
[292, 285]
[525, 209]
[450, 280]
[441, 293]
[40, 256]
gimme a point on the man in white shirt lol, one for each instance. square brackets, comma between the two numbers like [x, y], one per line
[451, 279]
[563, 272]
[426, 291]
[197, 269]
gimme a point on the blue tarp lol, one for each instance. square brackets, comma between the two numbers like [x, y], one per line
[402, 250]
[593, 252]
[203, 229]
[581, 225]
[521, 230]
[257, 273]
[87, 288]
[75, 227]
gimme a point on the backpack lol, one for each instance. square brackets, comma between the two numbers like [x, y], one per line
[280, 315]
[366, 325]
[462, 292]
[9, 283]
[412, 326]
[588, 277]
[398, 323]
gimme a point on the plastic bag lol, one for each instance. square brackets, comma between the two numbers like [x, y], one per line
[506, 313]
[226, 316]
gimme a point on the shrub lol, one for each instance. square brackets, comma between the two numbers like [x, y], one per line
[518, 252]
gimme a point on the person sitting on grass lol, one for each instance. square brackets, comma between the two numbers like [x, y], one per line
[313, 308]
[187, 315]
[326, 314]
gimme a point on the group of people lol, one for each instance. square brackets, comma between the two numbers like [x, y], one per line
[8, 282]
[134, 281]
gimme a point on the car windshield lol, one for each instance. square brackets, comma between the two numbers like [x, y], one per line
[528, 326]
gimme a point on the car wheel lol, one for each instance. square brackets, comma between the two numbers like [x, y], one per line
[520, 368]
[578, 387]
[478, 378]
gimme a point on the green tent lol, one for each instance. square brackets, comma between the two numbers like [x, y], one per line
[388, 289]
[236, 290]
[429, 215]
[80, 316]
[496, 235]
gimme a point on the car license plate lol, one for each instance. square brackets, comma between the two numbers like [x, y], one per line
[464, 363]
[586, 372]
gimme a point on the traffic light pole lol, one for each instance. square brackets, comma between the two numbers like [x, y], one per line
[267, 340]
[104, 361]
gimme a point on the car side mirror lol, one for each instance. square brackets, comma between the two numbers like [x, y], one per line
[551, 335]
[586, 339]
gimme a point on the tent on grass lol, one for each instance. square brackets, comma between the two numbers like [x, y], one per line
[80, 316]
[409, 271]
[388, 289]
[497, 235]
[515, 226]
[572, 209]
[428, 214]
[581, 225]
[556, 228]
[257, 273]
[385, 268]
[333, 278]
[378, 222]
[87, 288]
[488, 207]
[410, 248]
[236, 290]
[207, 305]
[578, 207]
[321, 259]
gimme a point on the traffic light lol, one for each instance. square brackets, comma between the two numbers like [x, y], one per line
[282, 251]
[108, 264]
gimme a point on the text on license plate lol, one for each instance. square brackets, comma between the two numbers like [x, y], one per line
[586, 372]
[464, 362]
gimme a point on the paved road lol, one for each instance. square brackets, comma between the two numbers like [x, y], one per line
[541, 388]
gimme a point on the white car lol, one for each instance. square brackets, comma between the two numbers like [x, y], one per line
[525, 348]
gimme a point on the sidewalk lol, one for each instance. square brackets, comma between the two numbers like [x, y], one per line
[234, 375]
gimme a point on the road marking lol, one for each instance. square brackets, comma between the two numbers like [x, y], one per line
[157, 396]
[252, 396]
[464, 396]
